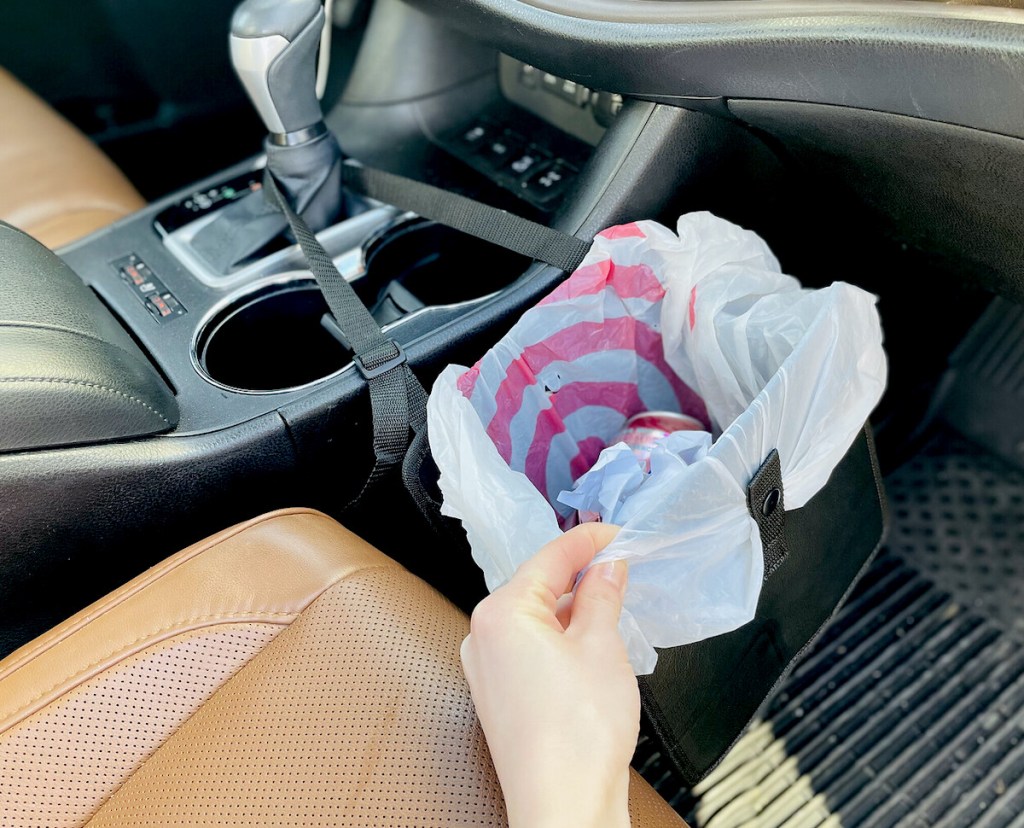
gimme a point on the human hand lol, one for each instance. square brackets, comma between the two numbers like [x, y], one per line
[553, 687]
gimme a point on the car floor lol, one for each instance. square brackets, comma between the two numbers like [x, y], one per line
[909, 710]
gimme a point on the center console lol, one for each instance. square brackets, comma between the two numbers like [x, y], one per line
[219, 297]
[236, 345]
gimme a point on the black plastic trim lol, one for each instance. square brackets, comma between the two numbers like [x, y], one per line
[958, 65]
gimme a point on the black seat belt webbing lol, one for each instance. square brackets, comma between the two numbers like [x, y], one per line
[502, 228]
[397, 399]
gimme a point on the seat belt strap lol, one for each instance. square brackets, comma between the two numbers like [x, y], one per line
[398, 400]
[499, 227]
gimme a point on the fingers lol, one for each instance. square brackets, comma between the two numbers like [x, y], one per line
[465, 649]
[563, 610]
[598, 602]
[558, 563]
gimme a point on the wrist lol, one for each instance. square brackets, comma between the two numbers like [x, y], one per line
[600, 806]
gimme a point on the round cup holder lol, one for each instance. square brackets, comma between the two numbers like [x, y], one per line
[270, 340]
[438, 265]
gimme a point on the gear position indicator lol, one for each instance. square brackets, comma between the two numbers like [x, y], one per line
[201, 202]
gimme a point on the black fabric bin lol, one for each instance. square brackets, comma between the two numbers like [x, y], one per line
[701, 696]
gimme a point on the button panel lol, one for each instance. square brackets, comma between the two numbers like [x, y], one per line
[505, 155]
[603, 107]
[148, 289]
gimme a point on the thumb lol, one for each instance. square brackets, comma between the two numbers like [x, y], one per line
[598, 602]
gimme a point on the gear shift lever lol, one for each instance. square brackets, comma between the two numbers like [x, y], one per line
[274, 51]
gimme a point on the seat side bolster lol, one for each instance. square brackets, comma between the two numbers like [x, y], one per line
[58, 185]
[266, 570]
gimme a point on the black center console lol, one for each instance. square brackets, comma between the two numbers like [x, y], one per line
[235, 346]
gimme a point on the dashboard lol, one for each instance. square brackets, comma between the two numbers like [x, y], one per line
[953, 63]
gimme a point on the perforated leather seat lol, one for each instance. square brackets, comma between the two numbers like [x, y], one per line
[282, 672]
[57, 186]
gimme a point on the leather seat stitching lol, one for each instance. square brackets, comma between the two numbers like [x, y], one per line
[217, 618]
[42, 326]
[159, 571]
[57, 381]
[180, 623]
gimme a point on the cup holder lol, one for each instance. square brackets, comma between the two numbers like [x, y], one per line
[422, 263]
[271, 340]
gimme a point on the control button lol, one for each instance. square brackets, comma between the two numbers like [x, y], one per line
[574, 93]
[164, 306]
[158, 305]
[549, 182]
[496, 153]
[606, 107]
[529, 76]
[131, 274]
[523, 163]
[138, 275]
[550, 82]
[475, 136]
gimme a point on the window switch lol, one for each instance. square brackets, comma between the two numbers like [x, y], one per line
[549, 181]
[499, 151]
[523, 163]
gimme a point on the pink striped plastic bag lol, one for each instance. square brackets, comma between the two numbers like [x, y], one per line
[700, 321]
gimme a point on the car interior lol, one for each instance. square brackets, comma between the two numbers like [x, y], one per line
[170, 380]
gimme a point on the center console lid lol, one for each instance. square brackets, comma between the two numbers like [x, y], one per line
[69, 373]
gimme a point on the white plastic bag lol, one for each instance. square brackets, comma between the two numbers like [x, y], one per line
[702, 322]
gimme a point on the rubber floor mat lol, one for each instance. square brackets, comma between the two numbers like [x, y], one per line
[909, 710]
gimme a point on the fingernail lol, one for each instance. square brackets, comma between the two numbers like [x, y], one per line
[617, 573]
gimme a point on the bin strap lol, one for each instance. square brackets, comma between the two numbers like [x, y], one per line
[398, 400]
[499, 227]
[768, 509]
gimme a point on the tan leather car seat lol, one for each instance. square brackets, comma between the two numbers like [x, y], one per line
[282, 672]
[57, 186]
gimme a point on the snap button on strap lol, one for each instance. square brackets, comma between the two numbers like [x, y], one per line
[766, 504]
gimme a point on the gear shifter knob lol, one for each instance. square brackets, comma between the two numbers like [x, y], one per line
[274, 51]
[273, 48]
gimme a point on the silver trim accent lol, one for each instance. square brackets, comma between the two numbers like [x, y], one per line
[291, 278]
[352, 266]
[339, 240]
[694, 11]
[252, 58]
[298, 136]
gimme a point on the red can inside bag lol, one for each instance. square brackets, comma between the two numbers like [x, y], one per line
[642, 431]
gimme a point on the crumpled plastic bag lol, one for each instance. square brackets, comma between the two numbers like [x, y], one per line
[700, 321]
[608, 488]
